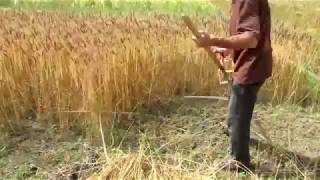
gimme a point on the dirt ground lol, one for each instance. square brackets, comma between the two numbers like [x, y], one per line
[195, 129]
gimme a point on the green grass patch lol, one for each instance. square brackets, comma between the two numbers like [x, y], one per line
[118, 7]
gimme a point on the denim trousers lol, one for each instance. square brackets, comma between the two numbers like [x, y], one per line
[241, 106]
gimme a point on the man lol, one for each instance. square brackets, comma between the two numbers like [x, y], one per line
[250, 44]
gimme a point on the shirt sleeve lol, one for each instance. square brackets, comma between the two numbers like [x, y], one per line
[249, 20]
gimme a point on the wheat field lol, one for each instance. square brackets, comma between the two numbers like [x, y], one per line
[54, 63]
[92, 71]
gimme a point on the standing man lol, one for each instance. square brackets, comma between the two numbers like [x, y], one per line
[250, 45]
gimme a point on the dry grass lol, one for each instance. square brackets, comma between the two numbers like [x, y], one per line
[190, 144]
[53, 63]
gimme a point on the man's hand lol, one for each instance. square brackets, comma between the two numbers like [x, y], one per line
[241, 41]
[203, 41]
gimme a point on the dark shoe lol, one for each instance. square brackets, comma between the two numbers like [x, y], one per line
[233, 165]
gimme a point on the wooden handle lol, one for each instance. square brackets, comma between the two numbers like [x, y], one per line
[196, 33]
[191, 26]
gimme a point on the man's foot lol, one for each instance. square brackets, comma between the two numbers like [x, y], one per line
[233, 165]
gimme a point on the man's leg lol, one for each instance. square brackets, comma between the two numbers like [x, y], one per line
[241, 107]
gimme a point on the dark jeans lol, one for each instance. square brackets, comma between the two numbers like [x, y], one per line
[243, 99]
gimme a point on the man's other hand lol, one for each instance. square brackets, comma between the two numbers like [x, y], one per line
[224, 52]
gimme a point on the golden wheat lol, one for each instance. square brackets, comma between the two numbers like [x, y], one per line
[55, 63]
